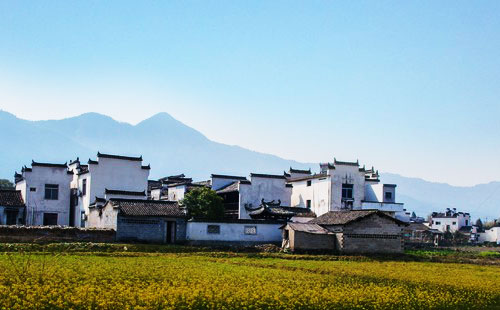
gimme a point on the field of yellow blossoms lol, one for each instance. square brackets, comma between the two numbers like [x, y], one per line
[238, 281]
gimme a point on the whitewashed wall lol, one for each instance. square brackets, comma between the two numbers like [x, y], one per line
[356, 177]
[490, 235]
[107, 219]
[262, 188]
[318, 193]
[112, 173]
[36, 204]
[460, 221]
[233, 232]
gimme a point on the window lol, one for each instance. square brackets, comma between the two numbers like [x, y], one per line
[213, 229]
[454, 223]
[388, 195]
[32, 189]
[309, 183]
[308, 204]
[84, 187]
[250, 230]
[49, 219]
[51, 191]
[347, 191]
[438, 223]
[466, 222]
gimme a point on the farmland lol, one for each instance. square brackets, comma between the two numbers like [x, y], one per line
[124, 277]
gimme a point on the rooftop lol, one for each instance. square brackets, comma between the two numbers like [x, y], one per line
[346, 217]
[154, 208]
[11, 198]
[125, 193]
[101, 155]
[223, 176]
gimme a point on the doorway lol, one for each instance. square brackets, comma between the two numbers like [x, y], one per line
[170, 231]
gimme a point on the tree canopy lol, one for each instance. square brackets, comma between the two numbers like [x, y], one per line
[6, 184]
[203, 203]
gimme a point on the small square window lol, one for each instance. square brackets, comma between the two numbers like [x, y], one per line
[213, 229]
[438, 223]
[32, 189]
[309, 183]
[454, 223]
[250, 230]
[388, 195]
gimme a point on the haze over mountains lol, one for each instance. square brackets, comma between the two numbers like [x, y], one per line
[172, 148]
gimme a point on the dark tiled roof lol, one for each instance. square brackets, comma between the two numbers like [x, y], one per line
[390, 185]
[138, 207]
[36, 164]
[345, 163]
[92, 162]
[229, 188]
[300, 171]
[127, 193]
[308, 228]
[345, 217]
[309, 177]
[119, 157]
[465, 229]
[11, 198]
[267, 176]
[222, 176]
[148, 167]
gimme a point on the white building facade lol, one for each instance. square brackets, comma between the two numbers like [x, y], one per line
[450, 220]
[110, 176]
[45, 189]
[345, 186]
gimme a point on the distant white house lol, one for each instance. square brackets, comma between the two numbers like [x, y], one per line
[451, 221]
[344, 186]
[45, 189]
[110, 176]
[490, 235]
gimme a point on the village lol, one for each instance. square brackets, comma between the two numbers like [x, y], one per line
[344, 208]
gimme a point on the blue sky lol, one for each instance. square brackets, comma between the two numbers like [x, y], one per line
[410, 87]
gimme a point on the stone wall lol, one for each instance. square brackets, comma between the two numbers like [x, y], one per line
[149, 229]
[306, 241]
[54, 234]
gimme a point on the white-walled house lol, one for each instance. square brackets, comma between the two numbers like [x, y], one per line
[345, 186]
[45, 189]
[246, 199]
[490, 235]
[450, 220]
[110, 176]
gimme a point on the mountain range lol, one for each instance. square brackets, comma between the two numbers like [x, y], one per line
[171, 148]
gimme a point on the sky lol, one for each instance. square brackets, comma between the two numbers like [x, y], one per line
[411, 87]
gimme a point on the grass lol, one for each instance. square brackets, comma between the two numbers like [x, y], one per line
[116, 276]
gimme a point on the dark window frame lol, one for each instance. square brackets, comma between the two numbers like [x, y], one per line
[347, 191]
[51, 192]
[309, 183]
[308, 203]
[388, 195]
[84, 187]
[213, 229]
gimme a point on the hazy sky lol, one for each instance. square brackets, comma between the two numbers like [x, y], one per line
[410, 87]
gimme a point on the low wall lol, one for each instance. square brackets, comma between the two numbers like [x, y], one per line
[54, 234]
[236, 232]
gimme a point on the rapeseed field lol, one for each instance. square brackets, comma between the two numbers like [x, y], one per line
[212, 281]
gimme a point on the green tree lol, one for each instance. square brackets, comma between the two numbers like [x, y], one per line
[479, 224]
[413, 215]
[203, 203]
[6, 184]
